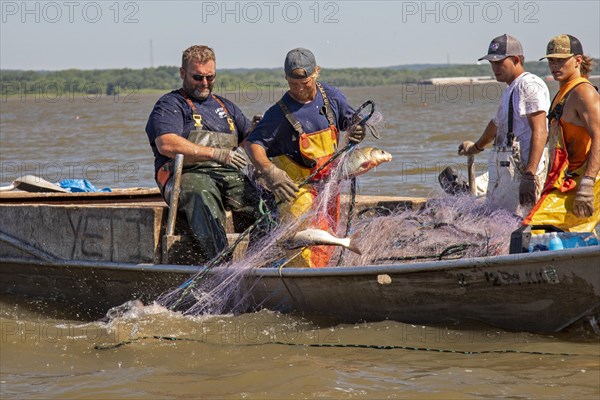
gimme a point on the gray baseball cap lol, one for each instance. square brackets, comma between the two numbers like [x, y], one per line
[502, 47]
[300, 58]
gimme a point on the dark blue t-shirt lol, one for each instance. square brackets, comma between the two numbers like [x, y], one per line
[277, 135]
[172, 114]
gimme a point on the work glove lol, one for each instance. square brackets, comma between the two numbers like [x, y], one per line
[583, 205]
[527, 190]
[279, 183]
[358, 134]
[229, 158]
[468, 149]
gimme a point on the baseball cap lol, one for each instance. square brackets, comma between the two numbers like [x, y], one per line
[300, 58]
[502, 47]
[563, 46]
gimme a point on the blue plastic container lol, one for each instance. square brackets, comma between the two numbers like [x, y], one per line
[555, 243]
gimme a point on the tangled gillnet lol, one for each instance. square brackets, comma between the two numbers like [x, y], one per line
[447, 228]
[443, 229]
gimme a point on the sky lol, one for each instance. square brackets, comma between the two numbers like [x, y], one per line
[56, 35]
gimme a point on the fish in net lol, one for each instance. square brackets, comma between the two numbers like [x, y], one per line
[445, 228]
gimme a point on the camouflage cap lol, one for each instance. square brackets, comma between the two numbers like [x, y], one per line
[563, 46]
[502, 47]
[300, 59]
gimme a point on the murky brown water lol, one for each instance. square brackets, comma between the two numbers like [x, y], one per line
[103, 139]
[48, 354]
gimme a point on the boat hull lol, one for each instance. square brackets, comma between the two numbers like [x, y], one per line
[540, 292]
[95, 251]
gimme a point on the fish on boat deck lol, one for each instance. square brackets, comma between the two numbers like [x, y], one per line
[318, 237]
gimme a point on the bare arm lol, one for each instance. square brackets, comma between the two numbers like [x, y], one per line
[539, 136]
[587, 107]
[488, 135]
[258, 156]
[171, 144]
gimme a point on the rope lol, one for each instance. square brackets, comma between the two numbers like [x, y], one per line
[332, 345]
[351, 208]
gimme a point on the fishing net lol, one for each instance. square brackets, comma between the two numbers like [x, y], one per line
[443, 229]
[446, 228]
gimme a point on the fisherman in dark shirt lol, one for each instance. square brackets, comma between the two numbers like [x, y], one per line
[206, 129]
[296, 137]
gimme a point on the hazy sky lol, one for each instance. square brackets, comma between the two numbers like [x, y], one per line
[55, 35]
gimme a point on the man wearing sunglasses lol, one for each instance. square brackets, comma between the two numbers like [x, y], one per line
[297, 136]
[206, 129]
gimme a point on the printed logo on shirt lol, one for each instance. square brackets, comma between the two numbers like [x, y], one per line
[221, 112]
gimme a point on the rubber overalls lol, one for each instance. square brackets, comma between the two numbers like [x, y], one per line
[316, 148]
[209, 188]
[570, 145]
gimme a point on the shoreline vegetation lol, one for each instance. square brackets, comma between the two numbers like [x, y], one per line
[160, 79]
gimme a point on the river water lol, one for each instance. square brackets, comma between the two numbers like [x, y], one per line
[47, 352]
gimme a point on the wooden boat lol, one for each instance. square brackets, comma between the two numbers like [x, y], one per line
[94, 251]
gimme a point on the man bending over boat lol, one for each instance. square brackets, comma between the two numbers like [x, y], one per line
[571, 195]
[518, 131]
[295, 137]
[207, 130]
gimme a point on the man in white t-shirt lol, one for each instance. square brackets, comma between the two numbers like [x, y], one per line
[518, 131]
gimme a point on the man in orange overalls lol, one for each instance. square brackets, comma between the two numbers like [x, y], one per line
[571, 195]
[294, 138]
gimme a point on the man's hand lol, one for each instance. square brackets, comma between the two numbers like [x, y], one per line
[527, 190]
[279, 183]
[583, 205]
[468, 149]
[229, 158]
[358, 134]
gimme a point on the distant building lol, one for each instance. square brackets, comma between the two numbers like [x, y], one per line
[458, 80]
[550, 78]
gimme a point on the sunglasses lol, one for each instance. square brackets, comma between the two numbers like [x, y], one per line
[200, 78]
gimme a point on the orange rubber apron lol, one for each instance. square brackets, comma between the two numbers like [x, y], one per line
[317, 148]
[570, 145]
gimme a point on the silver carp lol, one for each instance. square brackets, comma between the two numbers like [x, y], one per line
[318, 237]
[363, 159]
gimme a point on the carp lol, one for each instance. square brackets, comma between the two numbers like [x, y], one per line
[318, 237]
[362, 160]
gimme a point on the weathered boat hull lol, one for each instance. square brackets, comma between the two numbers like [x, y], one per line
[96, 251]
[537, 293]
[542, 292]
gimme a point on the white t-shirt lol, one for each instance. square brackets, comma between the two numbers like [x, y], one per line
[530, 95]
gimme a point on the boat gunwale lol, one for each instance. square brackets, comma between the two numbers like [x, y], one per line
[474, 262]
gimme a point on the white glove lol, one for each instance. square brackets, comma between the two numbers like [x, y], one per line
[279, 183]
[583, 205]
[229, 158]
[527, 190]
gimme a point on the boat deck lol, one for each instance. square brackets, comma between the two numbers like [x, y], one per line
[126, 225]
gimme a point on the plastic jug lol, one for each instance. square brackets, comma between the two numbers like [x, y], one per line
[554, 243]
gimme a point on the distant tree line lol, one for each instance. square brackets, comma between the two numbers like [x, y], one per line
[165, 78]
